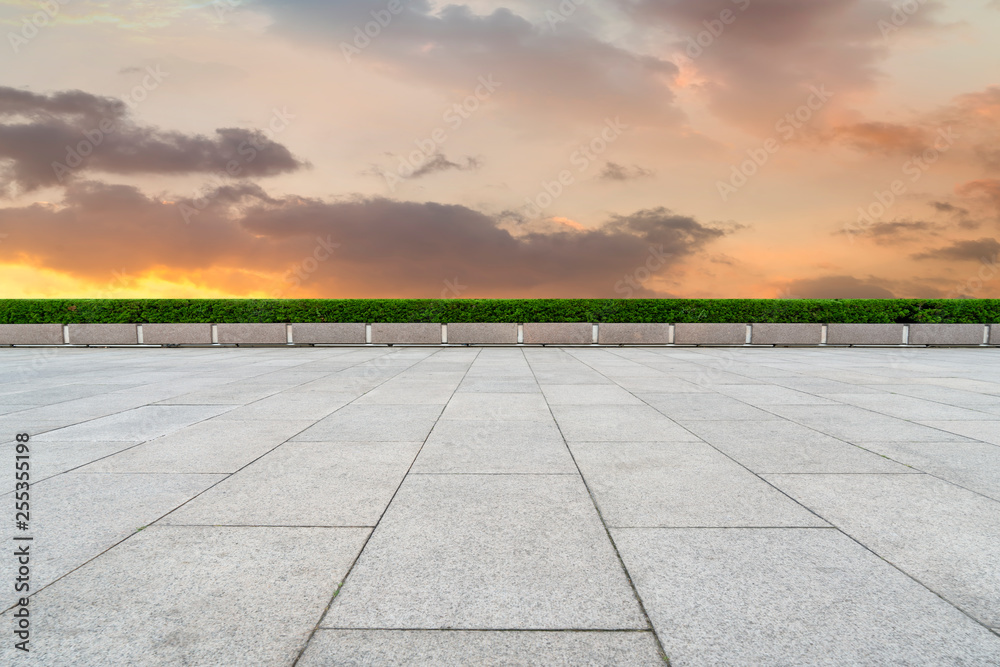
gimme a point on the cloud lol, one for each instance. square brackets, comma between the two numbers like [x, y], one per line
[988, 188]
[888, 138]
[837, 287]
[762, 64]
[384, 247]
[972, 118]
[615, 172]
[438, 163]
[50, 139]
[896, 231]
[972, 251]
[568, 72]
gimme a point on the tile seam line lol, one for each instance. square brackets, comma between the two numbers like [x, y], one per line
[839, 529]
[343, 581]
[225, 476]
[607, 532]
[538, 630]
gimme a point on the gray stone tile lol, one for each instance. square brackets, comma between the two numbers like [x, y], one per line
[214, 446]
[859, 426]
[973, 465]
[763, 395]
[494, 446]
[488, 552]
[306, 484]
[414, 393]
[908, 407]
[660, 384]
[376, 423]
[987, 431]
[704, 406]
[622, 423]
[284, 406]
[791, 597]
[513, 386]
[234, 393]
[457, 647]
[49, 458]
[76, 516]
[505, 407]
[193, 596]
[665, 484]
[572, 394]
[145, 423]
[784, 446]
[943, 536]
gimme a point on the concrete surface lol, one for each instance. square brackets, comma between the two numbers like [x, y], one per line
[103, 334]
[462, 333]
[177, 334]
[865, 334]
[329, 333]
[710, 334]
[448, 506]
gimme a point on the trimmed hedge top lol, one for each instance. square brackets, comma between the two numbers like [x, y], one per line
[139, 311]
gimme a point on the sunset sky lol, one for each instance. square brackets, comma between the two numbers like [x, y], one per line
[500, 148]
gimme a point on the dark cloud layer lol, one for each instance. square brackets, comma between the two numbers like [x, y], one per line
[616, 172]
[384, 248]
[567, 71]
[973, 251]
[50, 139]
[762, 64]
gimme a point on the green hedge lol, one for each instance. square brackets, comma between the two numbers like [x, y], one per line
[67, 311]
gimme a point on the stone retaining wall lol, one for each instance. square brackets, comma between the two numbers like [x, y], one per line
[682, 334]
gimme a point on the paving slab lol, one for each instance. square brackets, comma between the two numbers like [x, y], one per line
[457, 647]
[986, 431]
[505, 407]
[193, 596]
[784, 446]
[622, 423]
[942, 535]
[858, 426]
[574, 394]
[306, 484]
[376, 423]
[791, 597]
[972, 465]
[703, 406]
[666, 484]
[488, 552]
[76, 516]
[286, 405]
[215, 446]
[144, 423]
[49, 458]
[495, 447]
[910, 408]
